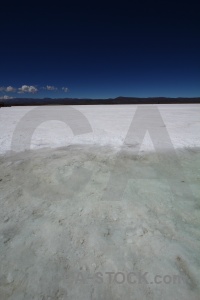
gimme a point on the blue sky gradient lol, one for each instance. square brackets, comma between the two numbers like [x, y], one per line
[142, 49]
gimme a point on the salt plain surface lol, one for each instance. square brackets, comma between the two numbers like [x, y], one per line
[76, 205]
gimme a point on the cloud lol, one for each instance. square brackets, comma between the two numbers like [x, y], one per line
[5, 97]
[65, 89]
[10, 89]
[7, 89]
[28, 89]
[50, 88]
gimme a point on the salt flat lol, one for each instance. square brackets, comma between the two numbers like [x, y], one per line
[100, 202]
[109, 125]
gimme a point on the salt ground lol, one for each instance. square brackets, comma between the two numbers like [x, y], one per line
[73, 206]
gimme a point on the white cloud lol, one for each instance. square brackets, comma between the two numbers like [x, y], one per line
[50, 88]
[28, 89]
[10, 89]
[7, 89]
[5, 97]
[65, 89]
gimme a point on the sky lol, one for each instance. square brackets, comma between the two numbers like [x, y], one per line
[96, 49]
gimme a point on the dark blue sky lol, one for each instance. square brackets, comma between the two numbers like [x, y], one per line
[100, 50]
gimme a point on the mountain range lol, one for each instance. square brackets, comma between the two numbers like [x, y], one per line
[89, 101]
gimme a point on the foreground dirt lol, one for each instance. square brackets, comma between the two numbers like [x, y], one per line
[69, 213]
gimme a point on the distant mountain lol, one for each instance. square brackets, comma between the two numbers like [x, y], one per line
[85, 101]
